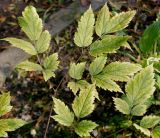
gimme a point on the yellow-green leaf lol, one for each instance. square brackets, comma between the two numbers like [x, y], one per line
[84, 127]
[22, 44]
[156, 132]
[63, 114]
[102, 20]
[30, 23]
[83, 104]
[29, 66]
[43, 42]
[47, 74]
[83, 36]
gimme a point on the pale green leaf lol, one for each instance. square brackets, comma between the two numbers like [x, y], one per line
[106, 83]
[143, 130]
[149, 121]
[120, 71]
[102, 20]
[121, 105]
[30, 23]
[141, 87]
[5, 107]
[29, 66]
[119, 21]
[156, 132]
[63, 114]
[97, 65]
[7, 125]
[83, 104]
[47, 74]
[22, 44]
[51, 62]
[43, 42]
[109, 44]
[83, 36]
[138, 110]
[84, 127]
[76, 70]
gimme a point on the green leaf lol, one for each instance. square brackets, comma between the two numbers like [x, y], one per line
[76, 70]
[22, 44]
[149, 121]
[121, 105]
[5, 107]
[29, 66]
[109, 44]
[106, 83]
[83, 104]
[51, 62]
[47, 74]
[120, 71]
[143, 130]
[43, 42]
[63, 114]
[7, 125]
[138, 110]
[149, 37]
[84, 127]
[97, 65]
[30, 23]
[76, 86]
[156, 132]
[102, 20]
[83, 36]
[119, 21]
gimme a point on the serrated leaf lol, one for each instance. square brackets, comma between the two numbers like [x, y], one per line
[120, 71]
[84, 127]
[63, 114]
[102, 20]
[43, 42]
[109, 44]
[5, 107]
[30, 23]
[22, 44]
[119, 21]
[141, 87]
[7, 125]
[83, 104]
[76, 86]
[47, 74]
[76, 70]
[106, 83]
[156, 132]
[29, 66]
[143, 130]
[97, 65]
[138, 110]
[121, 105]
[149, 121]
[149, 37]
[51, 62]
[83, 36]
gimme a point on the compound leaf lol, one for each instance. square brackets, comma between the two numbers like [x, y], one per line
[83, 36]
[149, 121]
[63, 114]
[47, 74]
[5, 107]
[119, 21]
[76, 70]
[83, 104]
[22, 44]
[109, 44]
[43, 42]
[30, 23]
[7, 125]
[156, 132]
[84, 127]
[102, 20]
[97, 65]
[29, 66]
